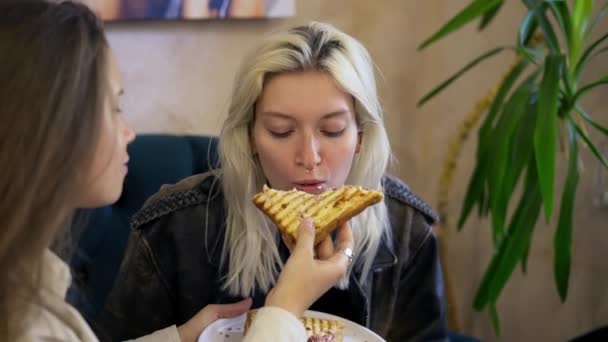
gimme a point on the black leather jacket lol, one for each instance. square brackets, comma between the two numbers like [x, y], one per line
[172, 268]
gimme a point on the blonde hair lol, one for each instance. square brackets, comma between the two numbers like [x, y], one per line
[250, 247]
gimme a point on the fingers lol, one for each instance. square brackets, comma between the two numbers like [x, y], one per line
[325, 249]
[209, 314]
[345, 237]
[337, 264]
[287, 241]
[306, 237]
[339, 260]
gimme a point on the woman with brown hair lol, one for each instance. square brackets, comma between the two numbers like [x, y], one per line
[63, 146]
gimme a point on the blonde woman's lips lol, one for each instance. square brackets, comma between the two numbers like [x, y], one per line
[313, 187]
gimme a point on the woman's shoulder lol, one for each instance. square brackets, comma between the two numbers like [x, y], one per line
[411, 218]
[187, 194]
[400, 193]
[54, 320]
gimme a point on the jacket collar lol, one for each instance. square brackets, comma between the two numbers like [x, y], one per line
[385, 256]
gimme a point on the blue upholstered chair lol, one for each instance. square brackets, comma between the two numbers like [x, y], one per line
[154, 160]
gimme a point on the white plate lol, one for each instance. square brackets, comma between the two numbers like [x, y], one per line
[231, 329]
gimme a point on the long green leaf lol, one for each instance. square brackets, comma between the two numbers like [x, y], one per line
[586, 56]
[562, 15]
[482, 296]
[477, 184]
[484, 201]
[519, 235]
[596, 152]
[568, 89]
[489, 16]
[522, 154]
[500, 168]
[468, 14]
[474, 192]
[522, 143]
[545, 134]
[583, 10]
[512, 247]
[544, 23]
[581, 92]
[496, 199]
[592, 122]
[494, 318]
[488, 124]
[563, 235]
[527, 27]
[487, 139]
[460, 72]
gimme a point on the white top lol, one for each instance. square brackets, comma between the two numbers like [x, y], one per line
[53, 319]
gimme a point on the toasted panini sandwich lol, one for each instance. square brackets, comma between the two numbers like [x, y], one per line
[328, 210]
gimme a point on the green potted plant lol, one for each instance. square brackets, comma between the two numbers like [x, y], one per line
[539, 97]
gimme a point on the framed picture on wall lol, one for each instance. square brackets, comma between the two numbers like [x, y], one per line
[126, 10]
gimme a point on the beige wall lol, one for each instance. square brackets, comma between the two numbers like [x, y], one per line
[177, 78]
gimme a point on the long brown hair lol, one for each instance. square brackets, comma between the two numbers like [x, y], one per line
[53, 85]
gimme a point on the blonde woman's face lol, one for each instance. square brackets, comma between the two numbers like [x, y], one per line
[305, 133]
[105, 178]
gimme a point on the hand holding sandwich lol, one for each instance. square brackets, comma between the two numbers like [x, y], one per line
[304, 279]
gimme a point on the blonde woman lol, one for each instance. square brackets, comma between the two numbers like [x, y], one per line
[304, 113]
[63, 146]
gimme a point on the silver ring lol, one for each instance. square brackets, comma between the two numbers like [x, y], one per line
[349, 254]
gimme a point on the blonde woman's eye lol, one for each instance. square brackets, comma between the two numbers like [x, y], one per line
[334, 134]
[280, 134]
